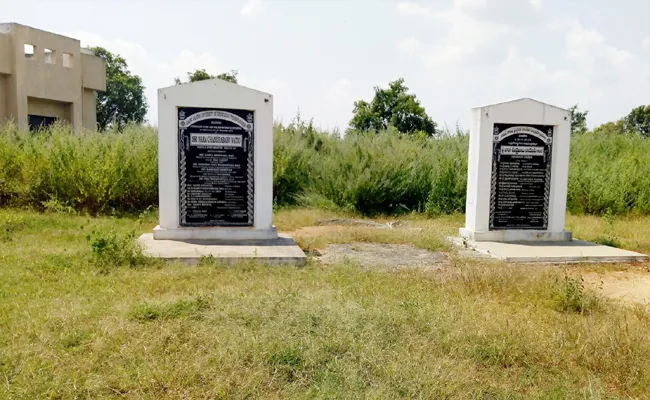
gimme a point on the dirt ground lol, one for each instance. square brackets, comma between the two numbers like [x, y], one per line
[393, 256]
[631, 286]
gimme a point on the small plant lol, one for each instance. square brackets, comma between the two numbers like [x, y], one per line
[56, 206]
[571, 296]
[609, 239]
[9, 226]
[110, 249]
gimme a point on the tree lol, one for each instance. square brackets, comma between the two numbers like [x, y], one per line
[201, 75]
[638, 120]
[124, 100]
[610, 128]
[395, 107]
[578, 120]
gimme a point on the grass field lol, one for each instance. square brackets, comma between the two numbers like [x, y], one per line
[72, 326]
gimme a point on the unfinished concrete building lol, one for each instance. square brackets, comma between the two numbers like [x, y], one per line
[45, 77]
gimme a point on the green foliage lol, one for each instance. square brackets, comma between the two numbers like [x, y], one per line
[571, 296]
[610, 128]
[113, 173]
[124, 101]
[202, 75]
[90, 172]
[394, 107]
[578, 120]
[111, 249]
[608, 238]
[293, 152]
[9, 226]
[638, 121]
[609, 172]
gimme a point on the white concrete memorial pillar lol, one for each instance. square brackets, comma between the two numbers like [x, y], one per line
[215, 158]
[517, 173]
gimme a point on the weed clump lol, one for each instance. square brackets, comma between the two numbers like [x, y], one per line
[111, 250]
[571, 296]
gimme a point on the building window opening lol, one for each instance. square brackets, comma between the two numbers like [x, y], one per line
[67, 60]
[38, 123]
[50, 56]
[30, 51]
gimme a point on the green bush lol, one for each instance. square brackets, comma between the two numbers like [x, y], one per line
[571, 296]
[369, 173]
[91, 172]
[609, 172]
[111, 250]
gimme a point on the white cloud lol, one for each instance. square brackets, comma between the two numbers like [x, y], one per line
[409, 45]
[536, 4]
[646, 43]
[155, 73]
[253, 8]
[413, 9]
[333, 106]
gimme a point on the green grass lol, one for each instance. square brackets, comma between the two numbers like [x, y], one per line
[70, 328]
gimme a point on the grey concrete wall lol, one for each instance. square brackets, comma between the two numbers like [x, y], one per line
[3, 98]
[49, 108]
[89, 110]
[93, 72]
[6, 51]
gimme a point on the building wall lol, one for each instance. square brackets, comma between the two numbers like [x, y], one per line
[93, 72]
[49, 108]
[89, 109]
[3, 98]
[52, 82]
[6, 60]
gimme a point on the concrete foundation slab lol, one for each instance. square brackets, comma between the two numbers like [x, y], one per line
[574, 251]
[280, 251]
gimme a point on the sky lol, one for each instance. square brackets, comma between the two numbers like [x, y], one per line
[318, 57]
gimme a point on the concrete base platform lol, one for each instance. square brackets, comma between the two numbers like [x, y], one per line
[574, 251]
[514, 235]
[280, 251]
[211, 233]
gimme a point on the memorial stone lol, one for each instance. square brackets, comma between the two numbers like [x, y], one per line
[215, 177]
[215, 146]
[518, 172]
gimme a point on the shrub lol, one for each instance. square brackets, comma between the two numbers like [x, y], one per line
[110, 250]
[368, 173]
[571, 296]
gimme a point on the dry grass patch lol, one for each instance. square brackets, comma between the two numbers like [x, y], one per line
[480, 329]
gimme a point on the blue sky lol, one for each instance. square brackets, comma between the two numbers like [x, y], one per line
[321, 56]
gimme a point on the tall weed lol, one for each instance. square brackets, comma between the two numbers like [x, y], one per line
[367, 173]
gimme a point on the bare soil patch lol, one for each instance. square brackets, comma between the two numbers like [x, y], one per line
[632, 287]
[393, 256]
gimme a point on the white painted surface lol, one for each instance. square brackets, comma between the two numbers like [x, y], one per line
[521, 111]
[214, 93]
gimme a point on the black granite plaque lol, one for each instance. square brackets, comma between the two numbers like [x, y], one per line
[521, 176]
[215, 154]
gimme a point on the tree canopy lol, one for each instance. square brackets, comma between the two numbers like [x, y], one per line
[393, 106]
[638, 120]
[578, 120]
[202, 75]
[124, 100]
